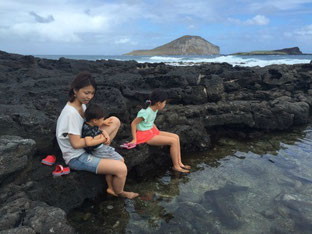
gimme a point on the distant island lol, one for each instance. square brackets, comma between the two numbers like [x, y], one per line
[286, 51]
[186, 45]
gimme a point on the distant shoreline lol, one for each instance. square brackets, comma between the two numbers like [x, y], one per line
[180, 60]
[187, 60]
[268, 54]
[121, 55]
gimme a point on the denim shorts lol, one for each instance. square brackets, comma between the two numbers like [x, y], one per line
[85, 162]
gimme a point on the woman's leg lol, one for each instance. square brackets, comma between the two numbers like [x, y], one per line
[118, 171]
[169, 134]
[112, 127]
[174, 153]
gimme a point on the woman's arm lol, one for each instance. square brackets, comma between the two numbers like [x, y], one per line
[90, 141]
[134, 123]
[76, 141]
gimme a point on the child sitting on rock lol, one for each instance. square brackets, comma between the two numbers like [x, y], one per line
[145, 131]
[95, 139]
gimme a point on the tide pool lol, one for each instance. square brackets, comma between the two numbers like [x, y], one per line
[256, 186]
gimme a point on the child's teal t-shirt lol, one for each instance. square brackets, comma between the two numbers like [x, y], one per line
[148, 116]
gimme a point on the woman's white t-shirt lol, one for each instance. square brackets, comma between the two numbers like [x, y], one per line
[69, 122]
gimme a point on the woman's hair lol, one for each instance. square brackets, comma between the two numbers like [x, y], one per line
[94, 111]
[157, 95]
[82, 80]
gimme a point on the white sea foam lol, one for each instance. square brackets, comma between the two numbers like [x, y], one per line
[165, 59]
[248, 61]
[189, 60]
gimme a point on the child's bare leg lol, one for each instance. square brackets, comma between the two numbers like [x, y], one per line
[167, 140]
[118, 170]
[162, 133]
[112, 128]
[109, 181]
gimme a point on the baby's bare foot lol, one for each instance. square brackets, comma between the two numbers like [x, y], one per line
[129, 195]
[111, 192]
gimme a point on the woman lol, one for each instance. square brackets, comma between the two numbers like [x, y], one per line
[68, 135]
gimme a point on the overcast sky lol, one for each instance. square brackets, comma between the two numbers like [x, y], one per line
[107, 27]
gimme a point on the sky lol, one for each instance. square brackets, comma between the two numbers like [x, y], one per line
[107, 27]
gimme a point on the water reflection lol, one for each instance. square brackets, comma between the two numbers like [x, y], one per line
[259, 186]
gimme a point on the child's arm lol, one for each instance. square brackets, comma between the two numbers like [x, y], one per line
[134, 123]
[105, 134]
[90, 141]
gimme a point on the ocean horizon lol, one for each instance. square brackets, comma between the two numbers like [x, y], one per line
[184, 60]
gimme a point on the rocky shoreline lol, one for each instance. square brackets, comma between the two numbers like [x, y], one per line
[206, 102]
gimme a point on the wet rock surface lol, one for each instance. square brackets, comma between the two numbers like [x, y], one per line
[206, 102]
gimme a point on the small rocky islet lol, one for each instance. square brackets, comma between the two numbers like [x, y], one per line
[185, 45]
[206, 102]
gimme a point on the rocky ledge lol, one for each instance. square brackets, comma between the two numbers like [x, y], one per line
[206, 102]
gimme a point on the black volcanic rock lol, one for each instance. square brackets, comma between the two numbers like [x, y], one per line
[15, 152]
[36, 90]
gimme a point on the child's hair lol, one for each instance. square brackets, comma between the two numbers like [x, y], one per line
[82, 80]
[157, 95]
[94, 111]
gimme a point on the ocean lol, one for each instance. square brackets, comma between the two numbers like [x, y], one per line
[184, 60]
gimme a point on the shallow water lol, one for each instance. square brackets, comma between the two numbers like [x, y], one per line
[259, 186]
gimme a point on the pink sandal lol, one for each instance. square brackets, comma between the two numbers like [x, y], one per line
[60, 170]
[49, 160]
[128, 145]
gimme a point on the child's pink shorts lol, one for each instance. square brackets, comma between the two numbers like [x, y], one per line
[144, 136]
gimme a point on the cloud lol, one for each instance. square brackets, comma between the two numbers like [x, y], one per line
[301, 37]
[164, 11]
[116, 25]
[64, 29]
[258, 20]
[40, 19]
[62, 21]
[276, 5]
[301, 33]
[305, 31]
[122, 41]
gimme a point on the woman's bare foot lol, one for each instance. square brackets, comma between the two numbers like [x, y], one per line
[180, 169]
[187, 167]
[111, 192]
[129, 195]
